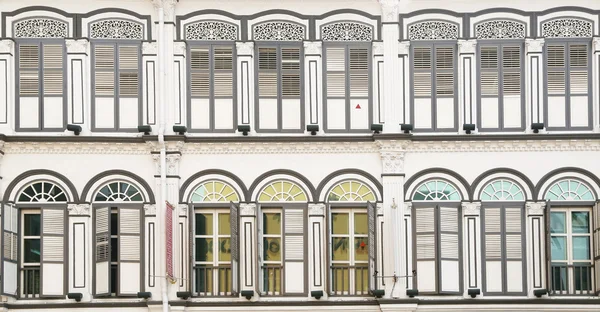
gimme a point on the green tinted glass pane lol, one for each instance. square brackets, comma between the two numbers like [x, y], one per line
[418, 196]
[580, 222]
[581, 248]
[224, 224]
[204, 249]
[557, 222]
[114, 223]
[272, 223]
[31, 224]
[587, 196]
[272, 248]
[340, 223]
[31, 250]
[559, 248]
[361, 249]
[224, 249]
[204, 224]
[361, 226]
[340, 251]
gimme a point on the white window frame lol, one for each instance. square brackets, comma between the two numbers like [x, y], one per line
[280, 211]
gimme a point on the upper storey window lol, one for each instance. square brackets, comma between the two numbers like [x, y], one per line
[41, 75]
[434, 87]
[211, 63]
[116, 82]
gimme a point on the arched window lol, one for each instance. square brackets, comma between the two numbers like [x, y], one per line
[42, 192]
[214, 191]
[351, 191]
[502, 190]
[436, 190]
[282, 190]
[569, 190]
[119, 191]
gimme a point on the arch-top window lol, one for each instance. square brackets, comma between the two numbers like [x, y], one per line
[119, 191]
[501, 190]
[282, 190]
[214, 191]
[42, 192]
[351, 191]
[569, 190]
[436, 190]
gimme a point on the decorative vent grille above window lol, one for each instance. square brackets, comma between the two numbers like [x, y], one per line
[347, 31]
[433, 30]
[567, 28]
[500, 29]
[40, 28]
[42, 192]
[214, 191]
[211, 30]
[116, 29]
[279, 31]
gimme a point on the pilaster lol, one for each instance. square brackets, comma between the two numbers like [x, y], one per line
[80, 273]
[390, 33]
[596, 77]
[316, 240]
[534, 73]
[150, 72]
[467, 83]
[403, 82]
[472, 245]
[535, 238]
[7, 86]
[245, 84]
[312, 80]
[248, 249]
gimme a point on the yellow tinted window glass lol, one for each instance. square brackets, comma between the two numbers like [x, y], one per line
[224, 224]
[204, 224]
[272, 246]
[224, 249]
[340, 223]
[272, 223]
[361, 226]
[340, 250]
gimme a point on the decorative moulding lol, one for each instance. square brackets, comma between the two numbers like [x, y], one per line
[116, 29]
[378, 48]
[248, 210]
[278, 31]
[567, 28]
[534, 45]
[347, 31]
[403, 47]
[76, 148]
[312, 47]
[150, 209]
[467, 46]
[500, 29]
[392, 162]
[244, 48]
[316, 209]
[535, 208]
[183, 209]
[379, 208]
[179, 48]
[79, 209]
[211, 31]
[407, 208]
[6, 46]
[39, 27]
[471, 209]
[173, 164]
[433, 30]
[77, 46]
[150, 48]
[390, 10]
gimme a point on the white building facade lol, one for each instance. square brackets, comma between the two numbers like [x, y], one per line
[391, 155]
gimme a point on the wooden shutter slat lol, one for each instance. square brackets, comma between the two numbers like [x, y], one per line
[493, 246]
[359, 84]
[130, 226]
[514, 246]
[290, 84]
[422, 58]
[489, 83]
[444, 58]
[267, 59]
[223, 58]
[444, 84]
[578, 81]
[555, 56]
[128, 57]
[489, 57]
[290, 59]
[223, 84]
[200, 84]
[10, 239]
[104, 57]
[267, 84]
[512, 83]
[336, 59]
[422, 84]
[29, 83]
[53, 251]
[128, 84]
[372, 241]
[336, 84]
[556, 82]
[578, 55]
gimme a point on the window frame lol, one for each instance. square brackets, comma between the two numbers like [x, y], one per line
[21, 254]
[279, 209]
[40, 43]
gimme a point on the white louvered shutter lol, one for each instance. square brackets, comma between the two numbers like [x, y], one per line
[422, 68]
[450, 252]
[200, 72]
[128, 71]
[10, 243]
[514, 242]
[511, 71]
[53, 69]
[444, 71]
[336, 72]
[223, 72]
[29, 70]
[294, 250]
[267, 72]
[596, 239]
[102, 251]
[492, 238]
[359, 73]
[130, 251]
[235, 248]
[425, 249]
[104, 69]
[578, 69]
[372, 241]
[290, 73]
[488, 58]
[555, 62]
[53, 252]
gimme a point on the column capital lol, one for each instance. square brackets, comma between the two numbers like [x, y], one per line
[389, 10]
[182, 209]
[404, 47]
[244, 48]
[408, 208]
[467, 46]
[596, 43]
[78, 209]
[149, 48]
[317, 209]
[7, 46]
[150, 209]
[173, 164]
[313, 47]
[471, 209]
[248, 210]
[534, 45]
[77, 45]
[179, 48]
[535, 208]
[377, 48]
[379, 209]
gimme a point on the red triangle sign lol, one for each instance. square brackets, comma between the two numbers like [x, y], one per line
[357, 106]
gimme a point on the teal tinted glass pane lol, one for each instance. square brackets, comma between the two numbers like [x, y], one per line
[418, 196]
[559, 248]
[518, 196]
[497, 185]
[587, 196]
[576, 186]
[581, 248]
[31, 250]
[455, 196]
[557, 222]
[564, 185]
[485, 196]
[580, 222]
[31, 225]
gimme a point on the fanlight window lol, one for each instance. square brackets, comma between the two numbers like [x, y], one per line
[502, 190]
[436, 190]
[42, 192]
[351, 191]
[119, 191]
[569, 189]
[214, 191]
[282, 191]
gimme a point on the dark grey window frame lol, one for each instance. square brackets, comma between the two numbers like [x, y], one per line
[524, 257]
[500, 44]
[40, 42]
[211, 45]
[278, 46]
[117, 44]
[433, 44]
[347, 97]
[567, 42]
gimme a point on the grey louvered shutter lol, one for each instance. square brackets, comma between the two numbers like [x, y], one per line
[359, 72]
[130, 251]
[450, 251]
[596, 239]
[511, 70]
[102, 251]
[290, 73]
[53, 252]
[578, 69]
[200, 72]
[10, 242]
[223, 72]
[294, 250]
[444, 71]
[425, 249]
[514, 242]
[235, 248]
[372, 241]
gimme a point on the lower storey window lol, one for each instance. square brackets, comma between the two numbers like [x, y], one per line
[30, 277]
[272, 252]
[212, 266]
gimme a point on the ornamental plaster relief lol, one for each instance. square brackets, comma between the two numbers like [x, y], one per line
[150, 209]
[76, 148]
[407, 208]
[534, 45]
[312, 47]
[78, 209]
[244, 48]
[467, 46]
[389, 10]
[183, 209]
[247, 210]
[471, 209]
[392, 162]
[173, 164]
[77, 46]
[535, 209]
[316, 209]
[6, 46]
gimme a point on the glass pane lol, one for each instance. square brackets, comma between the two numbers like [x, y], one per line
[272, 223]
[32, 225]
[341, 280]
[204, 249]
[361, 249]
[559, 248]
[361, 225]
[224, 249]
[340, 223]
[339, 249]
[581, 248]
[204, 224]
[114, 224]
[31, 250]
[114, 249]
[557, 222]
[580, 222]
[583, 278]
[272, 248]
[224, 224]
[361, 280]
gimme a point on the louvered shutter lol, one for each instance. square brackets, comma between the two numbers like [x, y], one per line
[444, 71]
[449, 225]
[53, 252]
[290, 73]
[29, 70]
[223, 72]
[488, 58]
[514, 242]
[200, 72]
[359, 73]
[492, 242]
[235, 248]
[267, 72]
[596, 239]
[102, 251]
[53, 69]
[372, 240]
[578, 69]
[511, 71]
[294, 250]
[104, 70]
[422, 68]
[425, 249]
[130, 248]
[10, 242]
[336, 72]
[128, 71]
